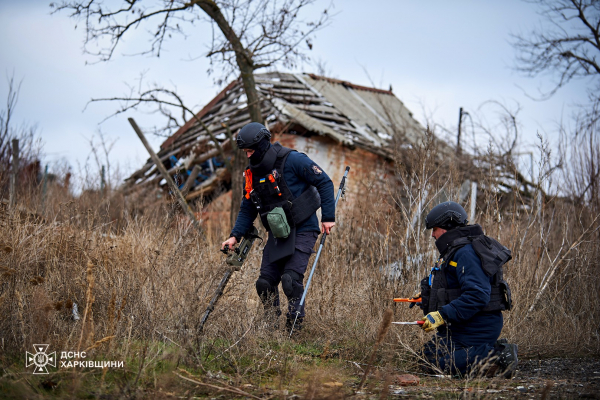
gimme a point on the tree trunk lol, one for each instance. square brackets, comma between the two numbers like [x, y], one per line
[237, 184]
[242, 57]
[247, 74]
[246, 66]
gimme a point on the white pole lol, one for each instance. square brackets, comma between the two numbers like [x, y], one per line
[473, 202]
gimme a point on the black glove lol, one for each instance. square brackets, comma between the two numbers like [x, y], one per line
[416, 296]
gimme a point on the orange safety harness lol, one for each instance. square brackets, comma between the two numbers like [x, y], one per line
[248, 187]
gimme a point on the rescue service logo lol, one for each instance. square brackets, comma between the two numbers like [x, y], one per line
[69, 359]
[40, 359]
[316, 170]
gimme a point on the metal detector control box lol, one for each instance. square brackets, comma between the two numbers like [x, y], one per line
[239, 254]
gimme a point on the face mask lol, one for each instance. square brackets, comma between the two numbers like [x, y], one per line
[259, 151]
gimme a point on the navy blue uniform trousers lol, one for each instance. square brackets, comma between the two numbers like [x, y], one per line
[297, 262]
[457, 353]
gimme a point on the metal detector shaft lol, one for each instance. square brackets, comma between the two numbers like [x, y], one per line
[323, 237]
[235, 260]
[216, 297]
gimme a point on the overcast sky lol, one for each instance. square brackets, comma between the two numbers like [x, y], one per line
[438, 56]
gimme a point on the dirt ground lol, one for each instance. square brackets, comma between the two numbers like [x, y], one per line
[555, 378]
[562, 377]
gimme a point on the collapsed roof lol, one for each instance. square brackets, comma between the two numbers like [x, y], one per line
[300, 104]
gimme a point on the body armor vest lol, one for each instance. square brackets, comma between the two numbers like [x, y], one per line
[269, 189]
[434, 289]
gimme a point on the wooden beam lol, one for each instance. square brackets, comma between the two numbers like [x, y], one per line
[184, 205]
[14, 174]
[190, 180]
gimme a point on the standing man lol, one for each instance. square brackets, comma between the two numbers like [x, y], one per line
[285, 188]
[465, 295]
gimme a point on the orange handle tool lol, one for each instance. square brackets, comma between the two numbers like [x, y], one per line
[272, 180]
[403, 300]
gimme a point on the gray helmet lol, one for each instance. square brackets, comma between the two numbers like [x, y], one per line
[251, 134]
[447, 215]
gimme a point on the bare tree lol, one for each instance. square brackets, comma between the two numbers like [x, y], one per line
[156, 99]
[568, 44]
[254, 34]
[100, 148]
[581, 174]
[29, 143]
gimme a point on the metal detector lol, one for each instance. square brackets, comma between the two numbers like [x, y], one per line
[235, 260]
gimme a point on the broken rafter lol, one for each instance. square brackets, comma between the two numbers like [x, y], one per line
[155, 178]
[184, 205]
[201, 114]
[149, 164]
[208, 185]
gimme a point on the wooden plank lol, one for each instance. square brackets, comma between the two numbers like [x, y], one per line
[149, 164]
[266, 84]
[198, 160]
[184, 205]
[293, 92]
[333, 124]
[14, 175]
[330, 117]
[312, 99]
[208, 185]
[319, 108]
[201, 114]
[190, 180]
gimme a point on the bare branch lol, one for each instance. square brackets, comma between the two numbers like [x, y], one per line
[570, 46]
[113, 25]
[153, 97]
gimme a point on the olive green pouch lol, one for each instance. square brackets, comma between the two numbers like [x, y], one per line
[278, 223]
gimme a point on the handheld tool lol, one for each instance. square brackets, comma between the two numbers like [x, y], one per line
[409, 323]
[235, 259]
[405, 300]
[272, 180]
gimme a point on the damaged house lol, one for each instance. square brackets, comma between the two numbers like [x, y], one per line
[336, 123]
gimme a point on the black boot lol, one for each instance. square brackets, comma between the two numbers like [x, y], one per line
[502, 361]
[289, 323]
[507, 360]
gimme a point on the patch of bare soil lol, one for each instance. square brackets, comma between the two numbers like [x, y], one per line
[555, 378]
[560, 377]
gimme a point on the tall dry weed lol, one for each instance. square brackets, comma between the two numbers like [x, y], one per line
[150, 276]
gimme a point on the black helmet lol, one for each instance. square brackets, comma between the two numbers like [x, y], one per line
[251, 134]
[447, 215]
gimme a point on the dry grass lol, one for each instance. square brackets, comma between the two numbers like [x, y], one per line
[142, 282]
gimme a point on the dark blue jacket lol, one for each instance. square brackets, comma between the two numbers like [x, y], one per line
[465, 321]
[298, 173]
